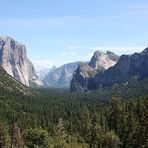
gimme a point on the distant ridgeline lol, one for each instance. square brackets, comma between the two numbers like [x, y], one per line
[103, 70]
[60, 77]
[128, 69]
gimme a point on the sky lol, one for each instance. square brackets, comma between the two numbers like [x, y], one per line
[56, 32]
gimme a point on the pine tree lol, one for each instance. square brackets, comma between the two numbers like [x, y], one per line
[97, 135]
[114, 114]
[16, 140]
[112, 140]
[62, 137]
[85, 124]
[4, 137]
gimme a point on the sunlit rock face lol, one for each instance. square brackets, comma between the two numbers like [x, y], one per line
[14, 60]
[83, 77]
[101, 60]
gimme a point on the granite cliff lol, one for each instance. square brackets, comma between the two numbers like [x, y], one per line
[128, 69]
[86, 72]
[13, 58]
[61, 77]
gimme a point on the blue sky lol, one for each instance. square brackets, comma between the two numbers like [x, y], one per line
[60, 31]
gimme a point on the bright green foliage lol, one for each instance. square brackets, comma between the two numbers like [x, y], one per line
[37, 138]
[4, 137]
[112, 140]
[62, 139]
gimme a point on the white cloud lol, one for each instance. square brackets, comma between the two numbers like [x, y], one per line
[63, 54]
[74, 47]
[73, 53]
[71, 47]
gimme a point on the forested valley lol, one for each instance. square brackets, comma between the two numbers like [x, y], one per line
[108, 118]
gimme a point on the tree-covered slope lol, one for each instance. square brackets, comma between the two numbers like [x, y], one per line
[110, 117]
[9, 84]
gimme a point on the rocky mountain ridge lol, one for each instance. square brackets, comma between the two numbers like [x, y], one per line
[13, 58]
[99, 62]
[61, 77]
[128, 69]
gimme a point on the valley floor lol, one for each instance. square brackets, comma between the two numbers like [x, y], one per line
[113, 117]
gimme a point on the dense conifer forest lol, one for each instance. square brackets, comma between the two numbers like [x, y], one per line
[108, 118]
[73, 73]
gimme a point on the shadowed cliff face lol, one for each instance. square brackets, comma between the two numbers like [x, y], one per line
[13, 58]
[84, 75]
[134, 67]
[129, 68]
[81, 77]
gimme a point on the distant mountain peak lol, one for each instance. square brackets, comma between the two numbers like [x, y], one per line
[61, 76]
[98, 52]
[145, 51]
[101, 60]
[129, 68]
[112, 55]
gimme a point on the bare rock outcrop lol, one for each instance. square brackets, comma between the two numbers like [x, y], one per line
[83, 76]
[14, 60]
